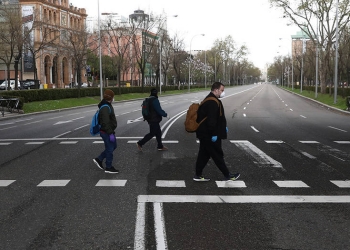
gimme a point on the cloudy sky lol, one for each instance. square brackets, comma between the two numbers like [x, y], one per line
[250, 22]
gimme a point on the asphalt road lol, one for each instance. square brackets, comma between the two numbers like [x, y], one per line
[294, 191]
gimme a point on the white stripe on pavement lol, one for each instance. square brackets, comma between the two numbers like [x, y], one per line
[245, 198]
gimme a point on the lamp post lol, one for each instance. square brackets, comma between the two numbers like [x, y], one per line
[302, 67]
[205, 70]
[99, 49]
[189, 63]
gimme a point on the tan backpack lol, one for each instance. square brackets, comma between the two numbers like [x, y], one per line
[191, 124]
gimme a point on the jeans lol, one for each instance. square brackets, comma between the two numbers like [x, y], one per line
[109, 148]
[154, 130]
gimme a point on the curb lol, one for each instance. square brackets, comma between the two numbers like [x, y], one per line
[344, 112]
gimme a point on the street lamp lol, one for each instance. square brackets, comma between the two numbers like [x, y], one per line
[99, 49]
[189, 63]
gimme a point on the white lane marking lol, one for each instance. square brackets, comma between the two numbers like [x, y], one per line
[98, 142]
[154, 138]
[60, 139]
[159, 226]
[291, 109]
[35, 143]
[53, 183]
[63, 122]
[254, 129]
[337, 157]
[68, 142]
[62, 134]
[309, 142]
[308, 155]
[164, 183]
[82, 126]
[261, 158]
[33, 122]
[136, 120]
[291, 184]
[303, 116]
[244, 115]
[9, 123]
[231, 184]
[8, 128]
[338, 129]
[139, 238]
[274, 141]
[244, 107]
[244, 198]
[172, 120]
[111, 183]
[342, 184]
[5, 183]
[5, 143]
[286, 105]
[342, 142]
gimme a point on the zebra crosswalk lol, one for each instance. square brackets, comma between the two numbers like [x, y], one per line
[179, 183]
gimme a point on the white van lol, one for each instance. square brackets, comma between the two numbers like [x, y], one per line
[3, 85]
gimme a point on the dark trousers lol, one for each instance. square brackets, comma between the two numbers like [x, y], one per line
[207, 150]
[154, 130]
[109, 148]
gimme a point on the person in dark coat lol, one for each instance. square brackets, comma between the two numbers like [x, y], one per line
[210, 133]
[154, 128]
[108, 123]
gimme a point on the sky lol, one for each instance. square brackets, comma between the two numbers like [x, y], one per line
[252, 23]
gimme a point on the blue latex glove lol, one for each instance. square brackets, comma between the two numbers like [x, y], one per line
[226, 129]
[112, 138]
[214, 138]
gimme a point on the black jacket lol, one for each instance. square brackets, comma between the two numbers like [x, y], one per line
[107, 118]
[214, 125]
[156, 111]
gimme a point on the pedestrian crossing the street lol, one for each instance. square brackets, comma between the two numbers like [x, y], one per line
[256, 154]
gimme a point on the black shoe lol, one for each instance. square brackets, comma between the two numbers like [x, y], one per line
[98, 163]
[111, 170]
[233, 177]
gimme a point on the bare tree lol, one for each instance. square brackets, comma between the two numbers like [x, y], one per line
[11, 37]
[144, 43]
[77, 47]
[117, 38]
[317, 19]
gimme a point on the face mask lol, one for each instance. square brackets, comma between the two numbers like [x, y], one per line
[222, 94]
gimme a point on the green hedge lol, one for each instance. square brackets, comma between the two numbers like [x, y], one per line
[34, 95]
[340, 90]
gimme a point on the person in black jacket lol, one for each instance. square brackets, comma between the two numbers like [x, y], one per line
[154, 128]
[210, 133]
[108, 123]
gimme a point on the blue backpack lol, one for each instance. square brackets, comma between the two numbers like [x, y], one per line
[95, 126]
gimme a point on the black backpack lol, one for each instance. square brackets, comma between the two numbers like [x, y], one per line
[146, 109]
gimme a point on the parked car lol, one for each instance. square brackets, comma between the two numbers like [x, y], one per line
[28, 85]
[4, 85]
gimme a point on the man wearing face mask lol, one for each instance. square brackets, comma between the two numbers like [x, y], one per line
[108, 123]
[210, 133]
